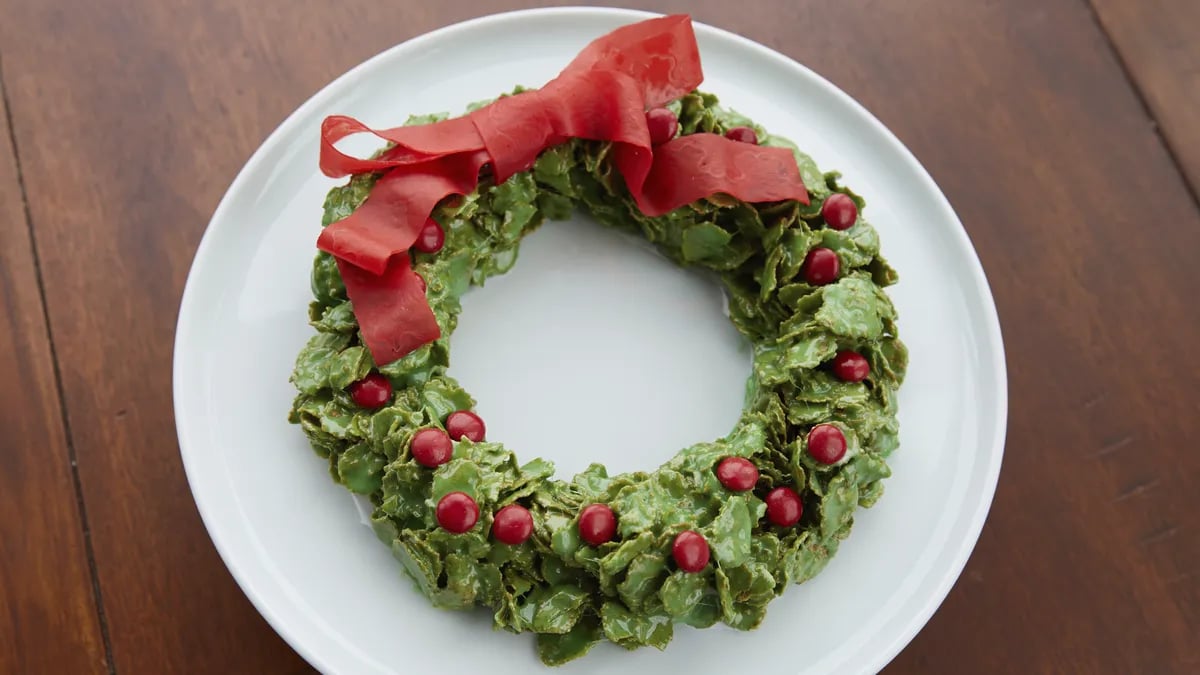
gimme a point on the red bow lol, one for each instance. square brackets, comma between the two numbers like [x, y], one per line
[602, 95]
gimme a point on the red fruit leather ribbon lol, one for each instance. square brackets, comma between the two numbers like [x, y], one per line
[602, 95]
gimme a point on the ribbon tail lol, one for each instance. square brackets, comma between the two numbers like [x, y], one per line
[393, 313]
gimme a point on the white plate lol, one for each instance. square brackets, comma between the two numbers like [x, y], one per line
[591, 349]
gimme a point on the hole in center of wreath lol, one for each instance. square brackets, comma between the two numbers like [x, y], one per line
[594, 348]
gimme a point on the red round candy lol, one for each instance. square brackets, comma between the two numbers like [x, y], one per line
[371, 392]
[457, 512]
[839, 211]
[512, 525]
[662, 124]
[742, 135]
[784, 507]
[465, 424]
[851, 366]
[737, 473]
[826, 444]
[597, 524]
[690, 551]
[821, 266]
[431, 447]
[431, 237]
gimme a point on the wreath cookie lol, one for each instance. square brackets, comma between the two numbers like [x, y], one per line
[719, 530]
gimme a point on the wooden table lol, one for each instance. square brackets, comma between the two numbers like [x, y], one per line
[1065, 132]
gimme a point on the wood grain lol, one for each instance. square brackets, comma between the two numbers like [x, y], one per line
[49, 623]
[1090, 561]
[121, 172]
[1157, 42]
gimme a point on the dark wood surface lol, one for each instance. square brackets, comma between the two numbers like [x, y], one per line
[49, 616]
[131, 118]
[1156, 40]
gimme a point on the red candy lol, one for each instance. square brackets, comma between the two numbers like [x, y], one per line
[512, 525]
[465, 424]
[457, 512]
[371, 392]
[826, 444]
[690, 551]
[821, 266]
[431, 447]
[784, 507]
[597, 524]
[851, 366]
[737, 473]
[839, 211]
[662, 124]
[742, 135]
[431, 238]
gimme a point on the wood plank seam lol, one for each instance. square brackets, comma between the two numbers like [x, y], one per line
[1127, 73]
[58, 383]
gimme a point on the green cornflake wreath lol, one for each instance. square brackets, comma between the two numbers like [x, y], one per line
[811, 342]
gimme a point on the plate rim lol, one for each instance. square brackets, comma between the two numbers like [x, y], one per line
[990, 324]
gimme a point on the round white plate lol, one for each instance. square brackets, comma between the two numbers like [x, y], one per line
[591, 349]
